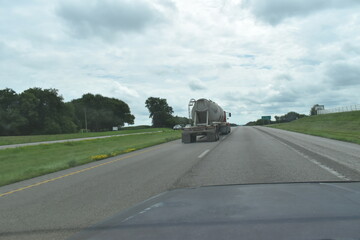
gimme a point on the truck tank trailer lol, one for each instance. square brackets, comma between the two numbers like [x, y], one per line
[209, 120]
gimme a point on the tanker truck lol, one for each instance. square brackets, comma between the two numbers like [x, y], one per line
[208, 120]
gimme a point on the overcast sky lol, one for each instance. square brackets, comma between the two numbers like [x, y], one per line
[252, 57]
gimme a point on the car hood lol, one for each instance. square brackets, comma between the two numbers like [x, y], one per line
[257, 211]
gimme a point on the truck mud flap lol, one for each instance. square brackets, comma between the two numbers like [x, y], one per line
[188, 137]
[212, 137]
[225, 130]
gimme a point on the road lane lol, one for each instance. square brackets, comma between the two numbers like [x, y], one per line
[252, 156]
[58, 209]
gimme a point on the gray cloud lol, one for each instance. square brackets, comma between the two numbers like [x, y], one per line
[247, 99]
[284, 76]
[284, 97]
[351, 48]
[342, 74]
[275, 11]
[196, 85]
[168, 4]
[225, 65]
[106, 18]
[256, 104]
[251, 56]
[5, 52]
[305, 61]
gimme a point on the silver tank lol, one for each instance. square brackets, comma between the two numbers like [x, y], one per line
[205, 112]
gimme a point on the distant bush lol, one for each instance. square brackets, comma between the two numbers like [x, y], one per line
[290, 116]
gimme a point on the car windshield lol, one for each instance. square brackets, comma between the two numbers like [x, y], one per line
[104, 104]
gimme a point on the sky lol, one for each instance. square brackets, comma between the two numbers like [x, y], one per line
[253, 57]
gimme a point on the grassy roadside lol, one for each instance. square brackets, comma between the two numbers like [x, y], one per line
[6, 140]
[22, 163]
[340, 126]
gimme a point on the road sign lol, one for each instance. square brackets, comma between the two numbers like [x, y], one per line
[266, 117]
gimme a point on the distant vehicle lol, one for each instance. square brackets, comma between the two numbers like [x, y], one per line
[325, 210]
[209, 120]
[177, 127]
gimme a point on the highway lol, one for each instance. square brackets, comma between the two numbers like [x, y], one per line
[57, 205]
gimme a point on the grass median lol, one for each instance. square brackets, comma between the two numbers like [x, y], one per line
[7, 140]
[340, 126]
[22, 163]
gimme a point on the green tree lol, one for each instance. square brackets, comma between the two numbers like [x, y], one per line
[28, 108]
[180, 120]
[99, 113]
[263, 122]
[45, 111]
[252, 123]
[162, 119]
[68, 122]
[11, 120]
[160, 112]
[258, 122]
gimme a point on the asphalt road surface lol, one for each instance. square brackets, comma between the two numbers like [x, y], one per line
[56, 206]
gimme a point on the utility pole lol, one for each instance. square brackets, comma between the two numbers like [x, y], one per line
[85, 120]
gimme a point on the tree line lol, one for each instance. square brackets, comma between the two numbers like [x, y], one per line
[288, 117]
[43, 111]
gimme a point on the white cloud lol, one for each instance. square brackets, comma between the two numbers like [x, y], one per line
[307, 52]
[120, 89]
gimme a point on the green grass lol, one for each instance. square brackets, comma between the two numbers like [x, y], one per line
[341, 126]
[27, 162]
[6, 140]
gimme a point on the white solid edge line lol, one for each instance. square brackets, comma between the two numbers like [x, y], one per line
[204, 153]
[330, 170]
